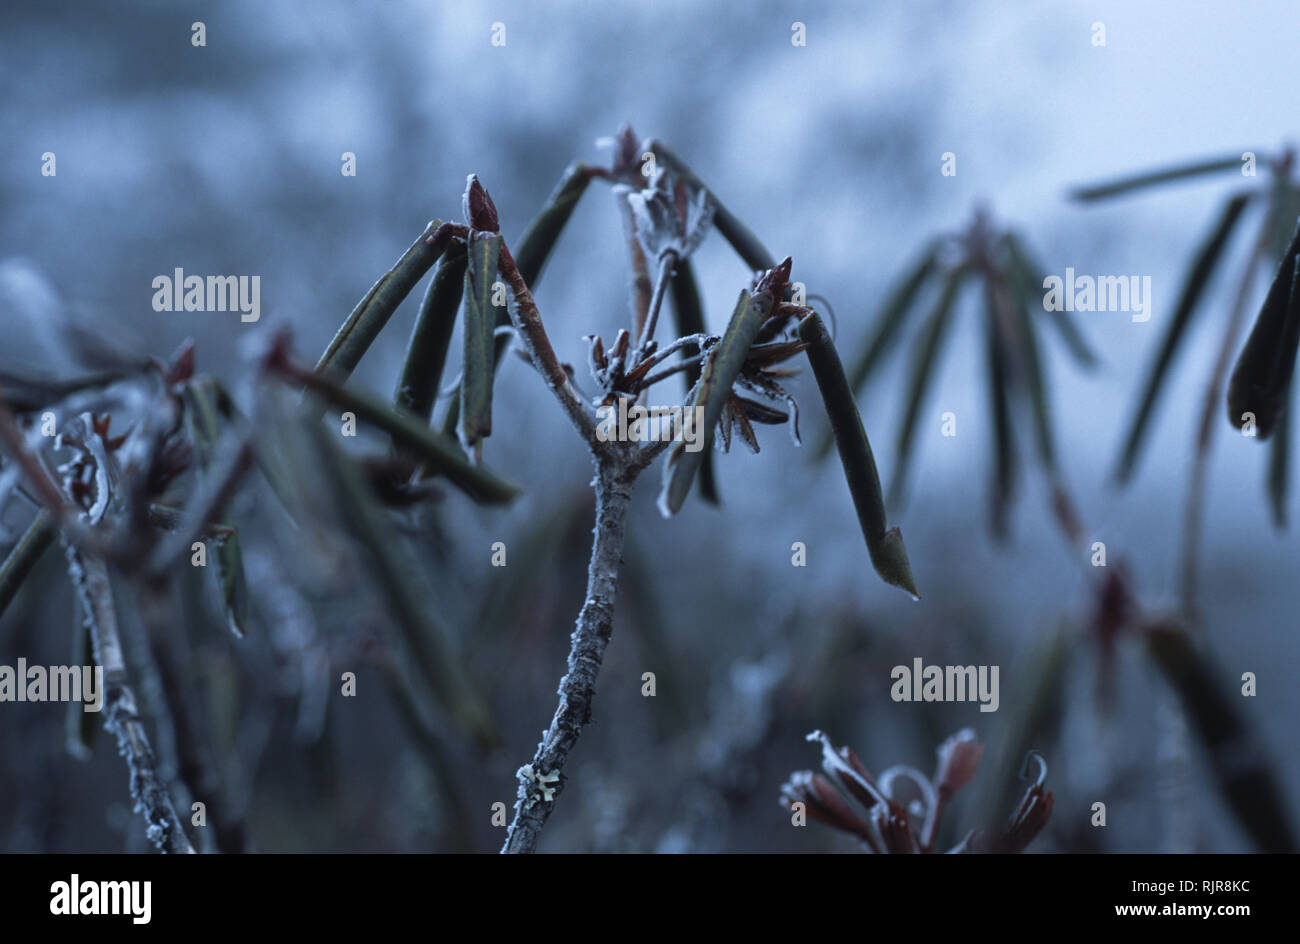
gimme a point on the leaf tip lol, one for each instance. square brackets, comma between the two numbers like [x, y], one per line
[889, 557]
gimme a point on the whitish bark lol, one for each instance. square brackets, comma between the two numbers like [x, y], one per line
[121, 716]
[542, 781]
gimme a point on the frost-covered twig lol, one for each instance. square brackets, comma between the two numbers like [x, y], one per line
[528, 322]
[590, 637]
[121, 716]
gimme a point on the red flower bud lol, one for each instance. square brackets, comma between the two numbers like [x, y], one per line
[480, 211]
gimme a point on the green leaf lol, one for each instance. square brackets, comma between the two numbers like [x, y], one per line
[1004, 446]
[1152, 178]
[215, 395]
[1283, 208]
[1034, 375]
[884, 545]
[721, 368]
[480, 357]
[426, 355]
[1279, 461]
[79, 724]
[745, 243]
[205, 410]
[1027, 273]
[1198, 277]
[923, 363]
[420, 637]
[1239, 762]
[234, 585]
[897, 305]
[24, 555]
[28, 394]
[688, 319]
[534, 249]
[365, 322]
[1264, 367]
[441, 454]
[544, 231]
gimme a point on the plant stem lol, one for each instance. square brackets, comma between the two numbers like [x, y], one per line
[639, 287]
[590, 637]
[121, 716]
[528, 323]
[656, 302]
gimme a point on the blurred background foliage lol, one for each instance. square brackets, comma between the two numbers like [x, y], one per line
[226, 160]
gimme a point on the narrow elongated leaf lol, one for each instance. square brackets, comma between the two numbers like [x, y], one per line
[365, 322]
[204, 419]
[426, 355]
[1198, 277]
[545, 229]
[1240, 763]
[534, 249]
[1032, 368]
[79, 724]
[1028, 279]
[30, 393]
[884, 544]
[480, 357]
[233, 583]
[1284, 207]
[927, 352]
[441, 454]
[421, 638]
[24, 555]
[688, 319]
[746, 244]
[276, 473]
[897, 304]
[1152, 178]
[1004, 446]
[1279, 460]
[721, 368]
[1264, 366]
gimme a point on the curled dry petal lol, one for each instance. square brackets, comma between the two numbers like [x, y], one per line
[824, 803]
[959, 758]
[845, 769]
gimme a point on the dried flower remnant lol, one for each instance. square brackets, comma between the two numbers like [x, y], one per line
[883, 818]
